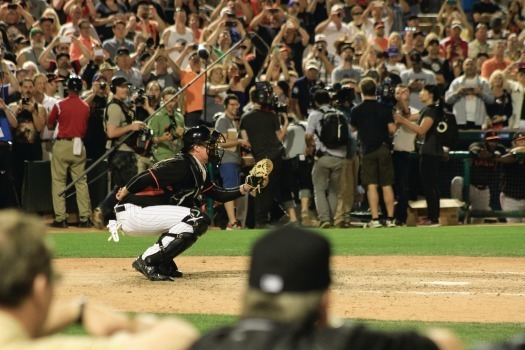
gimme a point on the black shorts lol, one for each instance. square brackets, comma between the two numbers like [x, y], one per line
[377, 168]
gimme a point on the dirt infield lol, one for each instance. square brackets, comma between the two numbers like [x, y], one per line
[387, 288]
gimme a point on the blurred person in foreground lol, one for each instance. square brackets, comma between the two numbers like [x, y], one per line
[30, 317]
[287, 301]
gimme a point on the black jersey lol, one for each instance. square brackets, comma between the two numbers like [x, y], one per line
[176, 181]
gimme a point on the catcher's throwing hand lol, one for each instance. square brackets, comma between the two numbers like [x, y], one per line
[122, 192]
[259, 175]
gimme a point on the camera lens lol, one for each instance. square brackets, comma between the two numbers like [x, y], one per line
[103, 85]
[319, 47]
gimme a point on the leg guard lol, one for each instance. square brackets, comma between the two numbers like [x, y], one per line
[171, 245]
[199, 220]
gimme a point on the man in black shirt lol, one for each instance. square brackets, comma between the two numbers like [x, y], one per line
[374, 124]
[262, 128]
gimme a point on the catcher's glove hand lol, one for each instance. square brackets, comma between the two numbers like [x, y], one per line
[258, 176]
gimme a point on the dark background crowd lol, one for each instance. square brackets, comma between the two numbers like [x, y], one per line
[473, 51]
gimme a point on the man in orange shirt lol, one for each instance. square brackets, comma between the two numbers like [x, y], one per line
[379, 38]
[193, 95]
[85, 39]
[498, 61]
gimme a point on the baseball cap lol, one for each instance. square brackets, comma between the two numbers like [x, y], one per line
[120, 81]
[122, 51]
[481, 25]
[106, 66]
[456, 24]
[53, 77]
[491, 135]
[518, 136]
[21, 40]
[291, 2]
[320, 37]
[97, 77]
[275, 268]
[311, 65]
[372, 73]
[392, 51]
[35, 30]
[415, 57]
[336, 7]
[379, 25]
[433, 41]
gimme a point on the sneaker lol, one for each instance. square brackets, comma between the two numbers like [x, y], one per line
[306, 220]
[150, 272]
[97, 218]
[428, 223]
[373, 224]
[390, 223]
[233, 227]
[324, 224]
[170, 269]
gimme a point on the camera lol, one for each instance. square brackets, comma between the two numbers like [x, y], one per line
[319, 47]
[386, 93]
[231, 24]
[141, 97]
[25, 100]
[161, 46]
[194, 47]
[12, 7]
[266, 98]
[230, 15]
[150, 42]
[277, 106]
[103, 85]
[273, 11]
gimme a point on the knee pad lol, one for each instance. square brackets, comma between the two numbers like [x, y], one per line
[199, 220]
[176, 245]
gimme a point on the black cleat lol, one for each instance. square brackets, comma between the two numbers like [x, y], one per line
[169, 268]
[85, 224]
[59, 224]
[150, 272]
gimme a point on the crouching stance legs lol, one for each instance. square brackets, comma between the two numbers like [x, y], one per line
[156, 263]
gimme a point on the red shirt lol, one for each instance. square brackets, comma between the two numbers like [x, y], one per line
[460, 42]
[73, 114]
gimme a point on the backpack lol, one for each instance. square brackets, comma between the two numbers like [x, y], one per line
[334, 129]
[447, 130]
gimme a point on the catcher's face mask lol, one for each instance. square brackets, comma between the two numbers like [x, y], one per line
[215, 153]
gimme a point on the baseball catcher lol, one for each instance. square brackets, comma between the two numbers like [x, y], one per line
[259, 175]
[164, 201]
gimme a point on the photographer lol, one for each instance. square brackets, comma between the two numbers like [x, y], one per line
[168, 128]
[325, 60]
[301, 96]
[31, 118]
[264, 133]
[118, 121]
[97, 99]
[326, 172]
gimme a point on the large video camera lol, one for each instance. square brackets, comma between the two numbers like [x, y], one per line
[386, 92]
[339, 94]
[265, 96]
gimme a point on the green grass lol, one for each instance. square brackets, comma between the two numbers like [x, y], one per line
[474, 241]
[470, 332]
[493, 241]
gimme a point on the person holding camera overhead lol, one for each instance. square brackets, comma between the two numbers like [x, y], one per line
[168, 128]
[333, 27]
[325, 60]
[126, 70]
[161, 61]
[119, 119]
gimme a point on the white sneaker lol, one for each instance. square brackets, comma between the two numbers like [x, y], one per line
[374, 224]
[390, 223]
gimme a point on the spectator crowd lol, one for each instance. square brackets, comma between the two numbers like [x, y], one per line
[77, 75]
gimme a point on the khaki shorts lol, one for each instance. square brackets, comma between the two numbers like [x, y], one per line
[377, 168]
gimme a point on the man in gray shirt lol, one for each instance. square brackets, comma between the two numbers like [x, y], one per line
[346, 70]
[416, 78]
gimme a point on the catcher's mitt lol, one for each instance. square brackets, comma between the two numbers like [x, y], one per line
[258, 176]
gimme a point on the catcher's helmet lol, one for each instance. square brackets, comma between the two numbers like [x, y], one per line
[201, 135]
[74, 83]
